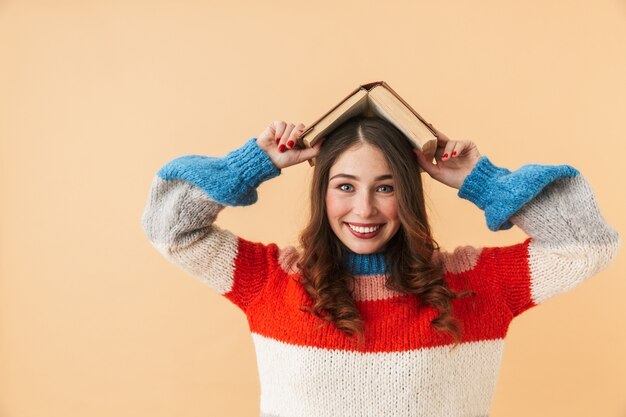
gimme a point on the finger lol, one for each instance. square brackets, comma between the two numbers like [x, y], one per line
[308, 153]
[439, 153]
[282, 144]
[448, 150]
[458, 148]
[441, 144]
[463, 146]
[293, 138]
[426, 165]
[319, 142]
[279, 127]
[268, 135]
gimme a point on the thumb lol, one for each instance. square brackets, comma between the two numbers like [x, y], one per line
[309, 153]
[424, 163]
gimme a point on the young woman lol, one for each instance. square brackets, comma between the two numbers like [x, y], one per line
[369, 317]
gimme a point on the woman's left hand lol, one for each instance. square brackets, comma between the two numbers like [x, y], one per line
[455, 160]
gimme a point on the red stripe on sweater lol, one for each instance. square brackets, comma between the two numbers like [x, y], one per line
[253, 264]
[508, 269]
[396, 324]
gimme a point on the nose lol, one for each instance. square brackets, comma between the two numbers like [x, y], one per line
[365, 206]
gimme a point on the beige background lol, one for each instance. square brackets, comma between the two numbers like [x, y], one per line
[96, 96]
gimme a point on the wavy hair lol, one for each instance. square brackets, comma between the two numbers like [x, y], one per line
[409, 253]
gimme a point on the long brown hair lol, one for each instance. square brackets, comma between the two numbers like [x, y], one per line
[409, 253]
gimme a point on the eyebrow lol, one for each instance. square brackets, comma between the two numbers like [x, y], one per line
[381, 177]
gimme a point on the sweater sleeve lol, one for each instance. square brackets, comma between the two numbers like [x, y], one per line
[185, 197]
[569, 240]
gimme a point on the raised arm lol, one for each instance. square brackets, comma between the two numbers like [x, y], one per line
[187, 194]
[569, 240]
[185, 198]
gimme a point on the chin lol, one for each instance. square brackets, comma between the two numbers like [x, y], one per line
[364, 249]
[365, 252]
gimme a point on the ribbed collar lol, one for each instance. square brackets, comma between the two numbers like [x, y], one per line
[365, 264]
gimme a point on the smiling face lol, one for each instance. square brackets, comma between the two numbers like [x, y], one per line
[361, 203]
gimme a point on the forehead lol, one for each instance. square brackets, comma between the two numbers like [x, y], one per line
[363, 160]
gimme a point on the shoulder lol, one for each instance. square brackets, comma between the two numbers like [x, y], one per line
[288, 258]
[461, 268]
[277, 258]
[461, 259]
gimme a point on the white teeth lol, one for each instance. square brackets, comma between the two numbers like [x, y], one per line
[363, 229]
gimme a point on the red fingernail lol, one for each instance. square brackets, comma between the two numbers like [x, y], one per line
[277, 140]
[445, 155]
[281, 148]
[290, 143]
[453, 153]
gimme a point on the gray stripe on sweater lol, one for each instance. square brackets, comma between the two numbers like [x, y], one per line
[178, 220]
[571, 239]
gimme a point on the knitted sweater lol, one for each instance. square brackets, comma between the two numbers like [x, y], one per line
[406, 368]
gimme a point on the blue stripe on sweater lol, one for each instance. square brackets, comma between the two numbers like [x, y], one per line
[365, 264]
[500, 192]
[231, 180]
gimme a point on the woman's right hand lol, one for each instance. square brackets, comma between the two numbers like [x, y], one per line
[279, 141]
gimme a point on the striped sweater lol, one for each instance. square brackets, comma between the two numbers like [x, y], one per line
[406, 368]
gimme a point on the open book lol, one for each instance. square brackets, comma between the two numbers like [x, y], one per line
[375, 99]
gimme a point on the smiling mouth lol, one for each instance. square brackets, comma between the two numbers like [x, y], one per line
[364, 232]
[365, 229]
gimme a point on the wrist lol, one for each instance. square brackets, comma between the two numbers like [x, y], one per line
[270, 152]
[252, 163]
